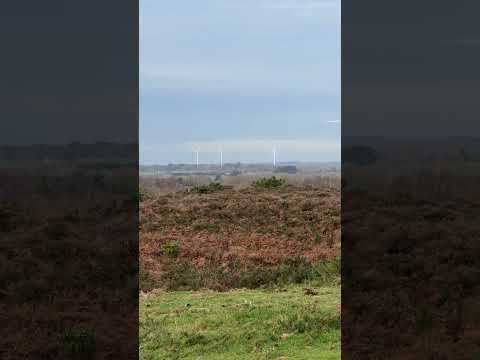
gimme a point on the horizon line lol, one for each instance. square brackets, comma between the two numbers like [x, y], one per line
[245, 162]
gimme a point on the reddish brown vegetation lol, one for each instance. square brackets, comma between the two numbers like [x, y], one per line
[248, 226]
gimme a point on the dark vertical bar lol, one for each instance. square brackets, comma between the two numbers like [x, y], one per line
[69, 180]
[410, 170]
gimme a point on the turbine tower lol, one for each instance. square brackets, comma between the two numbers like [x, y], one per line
[221, 157]
[274, 150]
[196, 152]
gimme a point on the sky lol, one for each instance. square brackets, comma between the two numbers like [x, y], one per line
[244, 76]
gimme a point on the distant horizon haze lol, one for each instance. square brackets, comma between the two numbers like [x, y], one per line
[254, 162]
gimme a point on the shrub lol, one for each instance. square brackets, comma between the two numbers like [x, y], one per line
[183, 276]
[205, 189]
[206, 227]
[146, 281]
[171, 249]
[327, 272]
[269, 183]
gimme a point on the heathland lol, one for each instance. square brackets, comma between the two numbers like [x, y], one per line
[240, 271]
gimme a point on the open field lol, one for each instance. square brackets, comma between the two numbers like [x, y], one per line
[283, 323]
[166, 179]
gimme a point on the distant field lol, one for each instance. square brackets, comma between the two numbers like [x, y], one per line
[164, 179]
[241, 324]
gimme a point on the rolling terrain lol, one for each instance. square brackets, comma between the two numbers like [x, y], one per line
[237, 231]
[251, 272]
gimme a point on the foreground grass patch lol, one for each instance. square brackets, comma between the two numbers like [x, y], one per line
[241, 324]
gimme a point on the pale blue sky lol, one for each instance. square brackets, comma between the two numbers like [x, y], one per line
[242, 74]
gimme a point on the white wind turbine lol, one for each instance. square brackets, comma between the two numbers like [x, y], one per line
[221, 157]
[274, 151]
[196, 151]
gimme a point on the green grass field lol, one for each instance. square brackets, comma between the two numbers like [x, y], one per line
[281, 323]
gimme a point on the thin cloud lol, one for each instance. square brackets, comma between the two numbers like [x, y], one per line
[244, 150]
[246, 145]
[258, 145]
[275, 4]
[297, 5]
[249, 77]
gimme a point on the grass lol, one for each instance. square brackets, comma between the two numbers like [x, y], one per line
[280, 323]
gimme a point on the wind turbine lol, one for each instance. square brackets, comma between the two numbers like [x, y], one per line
[196, 151]
[221, 157]
[274, 151]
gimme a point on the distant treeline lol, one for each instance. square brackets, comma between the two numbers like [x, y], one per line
[230, 167]
[288, 169]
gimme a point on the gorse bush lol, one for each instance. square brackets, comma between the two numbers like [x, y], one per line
[205, 189]
[171, 249]
[269, 183]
